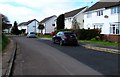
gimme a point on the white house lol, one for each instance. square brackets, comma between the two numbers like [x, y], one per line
[104, 16]
[49, 24]
[29, 26]
[75, 17]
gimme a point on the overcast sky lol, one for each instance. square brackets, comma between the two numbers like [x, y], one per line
[24, 10]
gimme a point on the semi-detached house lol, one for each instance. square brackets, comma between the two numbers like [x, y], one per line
[49, 24]
[104, 16]
[29, 26]
[75, 19]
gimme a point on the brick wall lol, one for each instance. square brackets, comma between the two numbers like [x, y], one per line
[111, 37]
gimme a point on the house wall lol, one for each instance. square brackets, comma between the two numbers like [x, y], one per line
[32, 27]
[68, 22]
[89, 22]
[49, 25]
[79, 17]
[80, 20]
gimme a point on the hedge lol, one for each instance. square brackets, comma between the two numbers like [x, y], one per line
[87, 34]
[84, 34]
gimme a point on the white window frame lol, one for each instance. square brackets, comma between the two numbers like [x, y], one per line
[89, 15]
[115, 28]
[98, 25]
[100, 13]
[115, 10]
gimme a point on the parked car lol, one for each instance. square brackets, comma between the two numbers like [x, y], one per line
[31, 35]
[65, 37]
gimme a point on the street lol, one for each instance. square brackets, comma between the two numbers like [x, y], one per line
[42, 57]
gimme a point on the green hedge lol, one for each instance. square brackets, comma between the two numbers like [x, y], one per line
[84, 34]
[87, 34]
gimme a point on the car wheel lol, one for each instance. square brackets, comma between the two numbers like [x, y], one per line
[54, 41]
[61, 43]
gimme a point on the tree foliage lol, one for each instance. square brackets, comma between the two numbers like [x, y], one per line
[41, 27]
[5, 22]
[15, 29]
[75, 24]
[60, 22]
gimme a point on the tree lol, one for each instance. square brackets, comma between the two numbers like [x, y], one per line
[75, 24]
[60, 22]
[5, 22]
[15, 29]
[41, 27]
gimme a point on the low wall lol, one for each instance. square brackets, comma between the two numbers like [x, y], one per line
[111, 37]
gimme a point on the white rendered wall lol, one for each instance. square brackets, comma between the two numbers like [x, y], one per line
[88, 22]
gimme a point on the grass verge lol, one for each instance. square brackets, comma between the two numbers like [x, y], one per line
[100, 42]
[45, 36]
[5, 42]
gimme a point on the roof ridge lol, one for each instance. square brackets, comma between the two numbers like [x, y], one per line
[74, 12]
[99, 5]
[47, 18]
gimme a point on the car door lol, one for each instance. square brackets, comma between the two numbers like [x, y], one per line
[58, 37]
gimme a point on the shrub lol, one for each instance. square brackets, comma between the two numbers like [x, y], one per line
[87, 34]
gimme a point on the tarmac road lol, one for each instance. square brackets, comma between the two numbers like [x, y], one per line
[42, 57]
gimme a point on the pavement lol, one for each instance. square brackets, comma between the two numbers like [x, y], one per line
[7, 55]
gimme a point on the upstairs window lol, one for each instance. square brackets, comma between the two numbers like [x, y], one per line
[115, 10]
[99, 13]
[89, 15]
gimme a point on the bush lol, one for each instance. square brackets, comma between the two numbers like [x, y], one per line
[87, 34]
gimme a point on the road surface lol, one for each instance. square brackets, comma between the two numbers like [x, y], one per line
[42, 57]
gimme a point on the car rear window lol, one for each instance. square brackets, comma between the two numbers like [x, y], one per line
[32, 32]
[69, 34]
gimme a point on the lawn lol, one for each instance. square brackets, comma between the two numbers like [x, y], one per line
[100, 42]
[89, 41]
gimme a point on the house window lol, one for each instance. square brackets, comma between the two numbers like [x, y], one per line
[98, 26]
[115, 29]
[115, 10]
[89, 15]
[99, 13]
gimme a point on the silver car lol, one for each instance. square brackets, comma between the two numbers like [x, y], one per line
[31, 35]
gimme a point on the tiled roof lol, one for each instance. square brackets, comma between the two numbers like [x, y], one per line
[46, 19]
[100, 5]
[74, 12]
